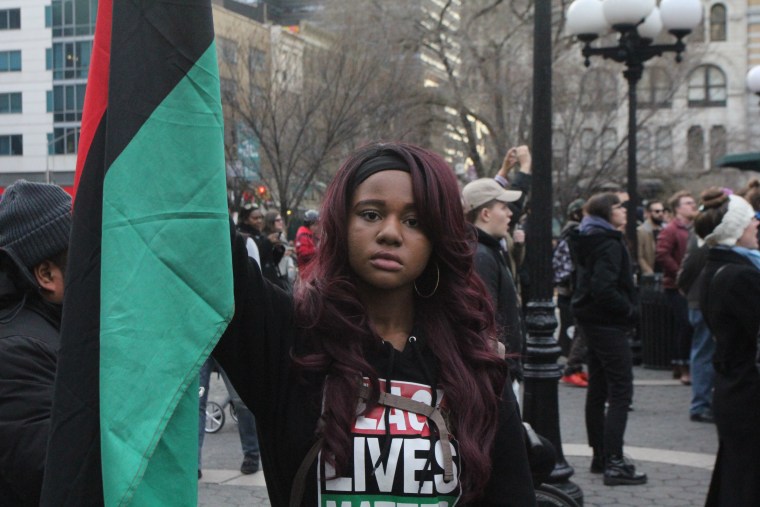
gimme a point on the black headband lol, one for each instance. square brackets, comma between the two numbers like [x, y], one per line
[385, 162]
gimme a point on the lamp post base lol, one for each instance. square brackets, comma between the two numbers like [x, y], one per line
[541, 397]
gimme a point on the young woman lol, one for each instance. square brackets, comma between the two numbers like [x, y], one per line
[604, 305]
[379, 381]
[729, 300]
[274, 232]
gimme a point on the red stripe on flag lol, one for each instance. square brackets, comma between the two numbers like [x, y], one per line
[96, 98]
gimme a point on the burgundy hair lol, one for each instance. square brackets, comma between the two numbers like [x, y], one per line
[457, 320]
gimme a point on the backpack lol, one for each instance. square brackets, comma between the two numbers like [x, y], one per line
[563, 265]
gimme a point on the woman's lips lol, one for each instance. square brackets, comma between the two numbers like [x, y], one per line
[386, 262]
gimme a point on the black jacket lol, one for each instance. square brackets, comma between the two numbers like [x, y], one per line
[729, 300]
[604, 292]
[689, 280]
[257, 351]
[29, 340]
[269, 255]
[492, 268]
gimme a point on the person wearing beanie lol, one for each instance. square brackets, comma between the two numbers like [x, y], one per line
[306, 239]
[729, 301]
[572, 343]
[35, 222]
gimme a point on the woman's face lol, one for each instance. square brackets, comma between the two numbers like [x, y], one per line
[277, 224]
[386, 246]
[256, 219]
[618, 215]
[748, 239]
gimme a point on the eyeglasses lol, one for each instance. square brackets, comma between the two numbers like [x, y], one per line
[657, 211]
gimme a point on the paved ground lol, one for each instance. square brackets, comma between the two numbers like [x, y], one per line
[676, 453]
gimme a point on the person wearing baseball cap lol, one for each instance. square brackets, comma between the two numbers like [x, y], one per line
[35, 222]
[486, 206]
[479, 193]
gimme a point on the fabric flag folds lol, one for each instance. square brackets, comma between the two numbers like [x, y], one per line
[149, 281]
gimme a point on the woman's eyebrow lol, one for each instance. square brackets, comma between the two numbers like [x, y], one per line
[382, 203]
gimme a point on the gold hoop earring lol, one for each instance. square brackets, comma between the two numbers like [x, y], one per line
[437, 281]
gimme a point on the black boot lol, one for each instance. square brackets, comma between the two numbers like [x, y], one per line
[597, 462]
[620, 471]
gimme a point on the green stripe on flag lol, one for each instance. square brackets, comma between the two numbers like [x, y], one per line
[167, 292]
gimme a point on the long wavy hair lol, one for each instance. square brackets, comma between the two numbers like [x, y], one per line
[457, 321]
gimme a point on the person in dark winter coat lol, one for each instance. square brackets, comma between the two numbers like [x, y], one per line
[486, 206]
[574, 348]
[604, 304]
[729, 300]
[350, 377]
[35, 221]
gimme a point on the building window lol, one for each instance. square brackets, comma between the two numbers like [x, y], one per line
[10, 61]
[68, 102]
[227, 50]
[49, 101]
[718, 143]
[48, 16]
[63, 141]
[718, 23]
[695, 148]
[644, 148]
[257, 59]
[707, 87]
[71, 60]
[11, 145]
[599, 90]
[559, 150]
[609, 147]
[74, 17]
[10, 19]
[10, 103]
[655, 88]
[589, 154]
[663, 148]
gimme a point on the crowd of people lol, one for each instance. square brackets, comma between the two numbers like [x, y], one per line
[379, 351]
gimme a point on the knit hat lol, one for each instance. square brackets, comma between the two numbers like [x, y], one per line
[733, 223]
[35, 222]
[575, 206]
[310, 217]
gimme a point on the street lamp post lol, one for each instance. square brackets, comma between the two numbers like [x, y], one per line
[638, 23]
[540, 400]
[753, 80]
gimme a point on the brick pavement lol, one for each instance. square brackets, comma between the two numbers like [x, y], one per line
[676, 453]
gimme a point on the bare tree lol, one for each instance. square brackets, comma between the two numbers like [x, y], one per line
[487, 59]
[313, 96]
